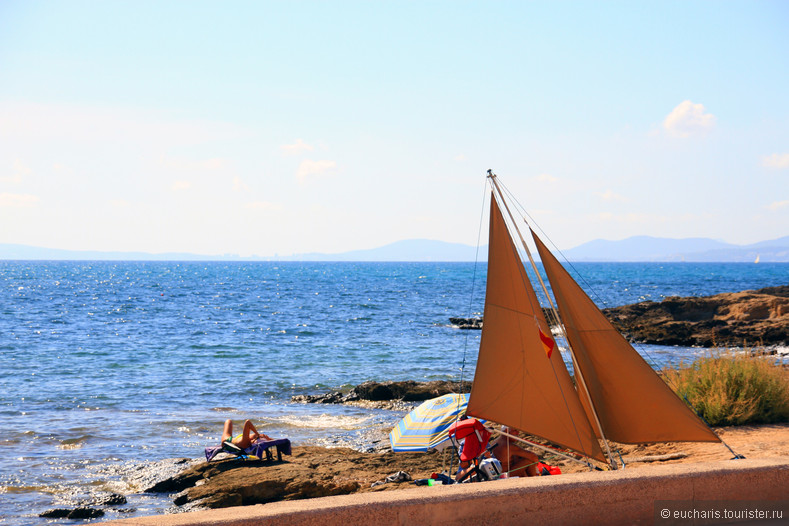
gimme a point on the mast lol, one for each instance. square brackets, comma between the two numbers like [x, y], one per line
[579, 374]
[517, 382]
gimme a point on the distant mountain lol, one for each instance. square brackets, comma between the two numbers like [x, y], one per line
[408, 250]
[638, 248]
[646, 248]
[11, 251]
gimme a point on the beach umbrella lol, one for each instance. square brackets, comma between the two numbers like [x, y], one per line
[426, 426]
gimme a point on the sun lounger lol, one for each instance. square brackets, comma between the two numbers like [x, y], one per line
[259, 449]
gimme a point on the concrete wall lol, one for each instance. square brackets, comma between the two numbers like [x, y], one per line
[611, 497]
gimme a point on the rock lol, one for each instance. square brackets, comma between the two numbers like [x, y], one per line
[466, 323]
[85, 513]
[310, 472]
[190, 477]
[334, 397]
[83, 507]
[145, 476]
[476, 323]
[56, 513]
[758, 317]
[75, 513]
[406, 391]
[112, 499]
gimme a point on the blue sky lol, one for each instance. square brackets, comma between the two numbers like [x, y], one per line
[288, 127]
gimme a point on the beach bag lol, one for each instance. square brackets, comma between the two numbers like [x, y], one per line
[491, 467]
[545, 469]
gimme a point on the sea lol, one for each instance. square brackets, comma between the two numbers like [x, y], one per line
[109, 367]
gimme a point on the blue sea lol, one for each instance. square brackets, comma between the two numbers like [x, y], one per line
[109, 366]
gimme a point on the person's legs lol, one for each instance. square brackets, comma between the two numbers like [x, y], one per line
[227, 432]
[500, 451]
[516, 461]
[523, 462]
[249, 435]
[464, 467]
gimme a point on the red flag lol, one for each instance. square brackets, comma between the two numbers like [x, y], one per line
[547, 343]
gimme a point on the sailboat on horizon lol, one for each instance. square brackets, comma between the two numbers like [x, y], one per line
[521, 379]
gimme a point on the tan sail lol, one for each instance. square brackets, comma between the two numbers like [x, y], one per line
[516, 383]
[634, 405]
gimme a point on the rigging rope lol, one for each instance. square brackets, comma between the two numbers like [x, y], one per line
[500, 198]
[473, 283]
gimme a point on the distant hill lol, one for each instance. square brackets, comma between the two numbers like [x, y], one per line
[10, 251]
[408, 250]
[638, 248]
[646, 248]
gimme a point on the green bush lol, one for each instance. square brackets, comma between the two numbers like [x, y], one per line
[729, 389]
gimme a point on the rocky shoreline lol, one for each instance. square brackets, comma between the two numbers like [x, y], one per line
[93, 503]
[311, 471]
[749, 318]
[387, 395]
[314, 471]
[739, 319]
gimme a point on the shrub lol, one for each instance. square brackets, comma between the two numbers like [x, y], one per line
[729, 389]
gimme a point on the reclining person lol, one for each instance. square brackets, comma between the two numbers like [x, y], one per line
[247, 437]
[515, 461]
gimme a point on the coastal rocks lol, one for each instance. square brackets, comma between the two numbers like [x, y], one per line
[310, 472]
[86, 508]
[758, 317]
[407, 391]
[476, 323]
[146, 476]
[466, 323]
[317, 471]
[92, 503]
[75, 513]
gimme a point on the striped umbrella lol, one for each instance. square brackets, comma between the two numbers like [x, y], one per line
[426, 426]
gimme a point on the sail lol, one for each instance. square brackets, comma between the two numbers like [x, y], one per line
[516, 382]
[634, 405]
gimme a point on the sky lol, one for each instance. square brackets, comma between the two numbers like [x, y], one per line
[279, 128]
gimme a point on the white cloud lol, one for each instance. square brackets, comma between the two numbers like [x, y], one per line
[264, 205]
[609, 195]
[239, 185]
[179, 186]
[546, 178]
[18, 172]
[296, 148]
[314, 168]
[688, 119]
[18, 200]
[189, 165]
[778, 161]
[778, 205]
[120, 203]
[62, 169]
[97, 124]
[460, 158]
